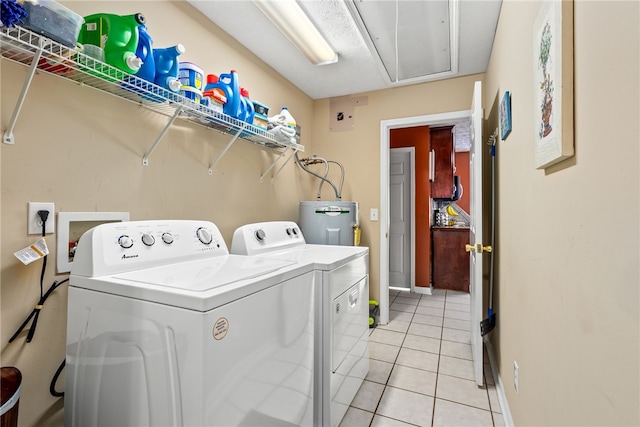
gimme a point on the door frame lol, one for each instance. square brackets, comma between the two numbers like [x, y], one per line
[385, 128]
[412, 201]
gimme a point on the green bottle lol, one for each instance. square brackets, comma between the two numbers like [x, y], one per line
[116, 36]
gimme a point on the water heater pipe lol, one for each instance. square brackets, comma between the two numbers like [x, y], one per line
[327, 172]
[338, 197]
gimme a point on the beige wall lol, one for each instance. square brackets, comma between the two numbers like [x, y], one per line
[83, 150]
[567, 247]
[567, 298]
[359, 148]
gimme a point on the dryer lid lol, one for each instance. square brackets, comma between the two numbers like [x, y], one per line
[199, 285]
[200, 276]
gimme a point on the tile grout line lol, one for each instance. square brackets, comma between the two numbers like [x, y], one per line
[441, 339]
[375, 410]
[486, 386]
[435, 391]
[386, 384]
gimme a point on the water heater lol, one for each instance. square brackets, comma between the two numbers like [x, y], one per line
[328, 222]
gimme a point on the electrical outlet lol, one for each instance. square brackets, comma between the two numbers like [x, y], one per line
[515, 376]
[34, 223]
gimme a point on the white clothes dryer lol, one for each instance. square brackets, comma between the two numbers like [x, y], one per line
[165, 327]
[342, 310]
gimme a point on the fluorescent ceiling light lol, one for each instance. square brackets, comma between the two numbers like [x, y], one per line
[288, 17]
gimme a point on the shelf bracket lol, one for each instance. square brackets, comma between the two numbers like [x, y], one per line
[226, 148]
[273, 178]
[8, 134]
[145, 159]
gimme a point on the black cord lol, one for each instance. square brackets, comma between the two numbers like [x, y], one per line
[54, 380]
[32, 329]
[35, 313]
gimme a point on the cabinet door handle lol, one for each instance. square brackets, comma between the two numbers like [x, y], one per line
[432, 164]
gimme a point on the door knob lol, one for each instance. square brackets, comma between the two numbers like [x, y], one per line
[478, 248]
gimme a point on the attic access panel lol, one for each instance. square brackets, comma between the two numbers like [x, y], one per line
[423, 35]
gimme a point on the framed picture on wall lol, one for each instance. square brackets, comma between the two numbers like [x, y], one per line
[505, 115]
[553, 83]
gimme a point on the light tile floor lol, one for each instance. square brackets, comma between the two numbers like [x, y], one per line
[421, 369]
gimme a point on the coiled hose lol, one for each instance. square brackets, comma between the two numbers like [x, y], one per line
[300, 163]
[327, 172]
[315, 160]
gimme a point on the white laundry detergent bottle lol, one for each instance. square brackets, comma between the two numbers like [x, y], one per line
[288, 118]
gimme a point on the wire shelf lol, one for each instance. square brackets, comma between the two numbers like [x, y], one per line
[24, 47]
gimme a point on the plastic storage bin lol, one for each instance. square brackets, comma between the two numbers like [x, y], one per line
[52, 20]
[191, 75]
[191, 93]
[261, 117]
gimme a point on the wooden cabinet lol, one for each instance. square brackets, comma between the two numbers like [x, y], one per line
[450, 261]
[442, 185]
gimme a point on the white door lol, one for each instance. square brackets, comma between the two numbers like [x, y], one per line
[400, 216]
[475, 246]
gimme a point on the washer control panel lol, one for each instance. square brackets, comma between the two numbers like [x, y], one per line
[262, 237]
[123, 246]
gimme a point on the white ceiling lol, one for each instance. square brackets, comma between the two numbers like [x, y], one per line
[436, 39]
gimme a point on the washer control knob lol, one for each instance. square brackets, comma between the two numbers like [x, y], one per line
[289, 231]
[167, 238]
[148, 239]
[295, 231]
[260, 235]
[204, 235]
[125, 241]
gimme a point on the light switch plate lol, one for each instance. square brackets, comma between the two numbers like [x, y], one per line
[373, 214]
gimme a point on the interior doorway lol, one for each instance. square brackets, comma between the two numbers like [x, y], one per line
[385, 128]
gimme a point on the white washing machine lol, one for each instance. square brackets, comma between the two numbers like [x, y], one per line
[342, 310]
[166, 328]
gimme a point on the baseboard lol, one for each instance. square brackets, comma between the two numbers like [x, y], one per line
[423, 290]
[502, 397]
